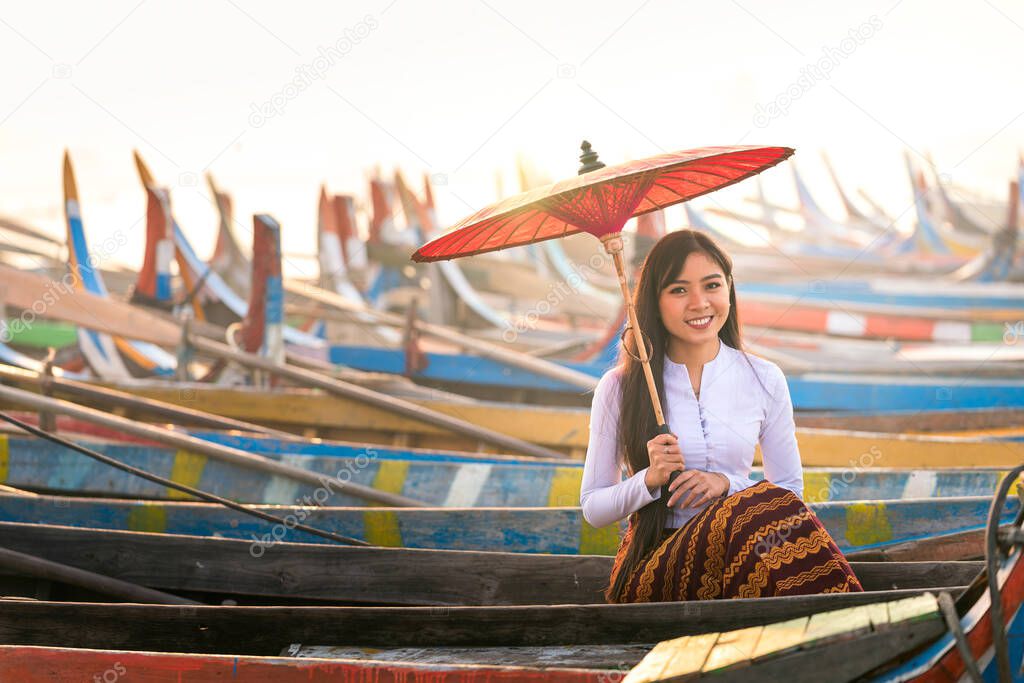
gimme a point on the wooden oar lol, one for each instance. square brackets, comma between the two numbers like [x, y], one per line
[15, 226]
[481, 348]
[119, 399]
[374, 398]
[40, 568]
[193, 445]
[29, 291]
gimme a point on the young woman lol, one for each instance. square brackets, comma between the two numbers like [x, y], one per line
[711, 532]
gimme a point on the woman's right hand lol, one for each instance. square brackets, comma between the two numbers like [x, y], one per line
[666, 457]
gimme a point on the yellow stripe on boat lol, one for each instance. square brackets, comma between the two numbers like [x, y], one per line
[598, 541]
[391, 475]
[188, 470]
[5, 457]
[151, 517]
[381, 528]
[867, 524]
[565, 487]
[817, 486]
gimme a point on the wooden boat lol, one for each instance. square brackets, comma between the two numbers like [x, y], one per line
[269, 630]
[855, 525]
[106, 354]
[214, 291]
[439, 478]
[824, 319]
[229, 260]
[804, 354]
[214, 568]
[920, 294]
[28, 664]
[813, 360]
[858, 234]
[972, 638]
[976, 421]
[560, 429]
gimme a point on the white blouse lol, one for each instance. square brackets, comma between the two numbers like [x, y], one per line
[717, 433]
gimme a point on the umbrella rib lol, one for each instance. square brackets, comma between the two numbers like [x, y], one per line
[571, 231]
[672, 190]
[536, 232]
[501, 223]
[463, 237]
[526, 219]
[737, 179]
[709, 172]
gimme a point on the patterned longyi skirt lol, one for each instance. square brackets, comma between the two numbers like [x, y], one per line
[760, 542]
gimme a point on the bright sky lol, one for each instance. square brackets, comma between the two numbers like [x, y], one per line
[458, 88]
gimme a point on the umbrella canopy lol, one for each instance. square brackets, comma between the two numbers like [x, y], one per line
[601, 201]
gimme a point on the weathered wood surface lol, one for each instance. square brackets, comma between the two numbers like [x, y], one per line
[47, 664]
[612, 658]
[322, 572]
[436, 478]
[964, 545]
[846, 643]
[25, 564]
[374, 575]
[560, 530]
[266, 630]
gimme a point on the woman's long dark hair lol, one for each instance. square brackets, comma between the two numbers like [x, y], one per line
[637, 424]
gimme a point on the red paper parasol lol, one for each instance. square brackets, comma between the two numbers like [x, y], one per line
[599, 201]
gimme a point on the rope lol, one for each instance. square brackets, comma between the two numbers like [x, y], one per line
[993, 555]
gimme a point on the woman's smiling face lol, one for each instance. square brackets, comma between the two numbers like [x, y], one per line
[694, 305]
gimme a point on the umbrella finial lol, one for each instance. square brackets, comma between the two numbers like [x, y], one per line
[588, 160]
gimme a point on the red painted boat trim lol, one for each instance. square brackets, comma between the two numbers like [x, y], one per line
[815, 319]
[156, 230]
[28, 664]
[74, 427]
[951, 666]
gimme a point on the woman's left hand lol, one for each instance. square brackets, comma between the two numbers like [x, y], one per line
[694, 488]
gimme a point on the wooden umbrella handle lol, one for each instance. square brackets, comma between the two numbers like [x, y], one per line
[613, 245]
